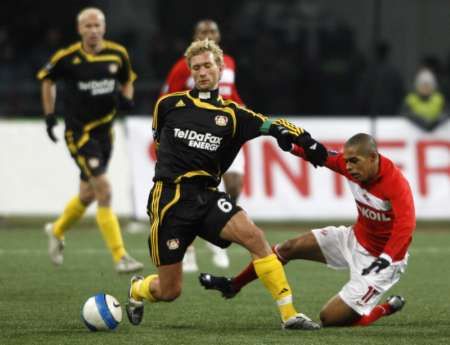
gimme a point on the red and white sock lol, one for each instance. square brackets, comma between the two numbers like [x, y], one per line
[379, 311]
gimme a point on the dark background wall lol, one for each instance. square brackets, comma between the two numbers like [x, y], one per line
[293, 56]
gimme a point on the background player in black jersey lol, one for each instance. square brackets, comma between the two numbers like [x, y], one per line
[198, 134]
[92, 71]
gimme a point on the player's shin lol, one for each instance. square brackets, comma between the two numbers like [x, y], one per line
[72, 213]
[110, 228]
[270, 271]
[376, 313]
[248, 274]
[141, 289]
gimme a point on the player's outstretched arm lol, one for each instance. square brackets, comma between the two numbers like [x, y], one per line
[287, 134]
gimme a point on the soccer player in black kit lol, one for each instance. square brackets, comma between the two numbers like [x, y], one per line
[198, 134]
[92, 71]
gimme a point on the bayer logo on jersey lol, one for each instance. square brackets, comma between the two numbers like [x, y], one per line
[101, 312]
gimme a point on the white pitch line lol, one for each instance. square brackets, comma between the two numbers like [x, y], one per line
[233, 251]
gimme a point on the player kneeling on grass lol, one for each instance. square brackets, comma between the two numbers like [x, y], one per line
[374, 249]
[198, 136]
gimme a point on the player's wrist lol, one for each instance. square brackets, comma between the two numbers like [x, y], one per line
[50, 119]
[386, 257]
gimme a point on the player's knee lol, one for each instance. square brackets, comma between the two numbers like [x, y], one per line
[87, 198]
[326, 319]
[255, 239]
[103, 193]
[171, 294]
[286, 249]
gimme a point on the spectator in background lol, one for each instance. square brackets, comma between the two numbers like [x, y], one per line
[425, 106]
[381, 90]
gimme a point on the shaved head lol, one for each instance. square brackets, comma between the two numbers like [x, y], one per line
[90, 11]
[363, 143]
[207, 28]
[91, 27]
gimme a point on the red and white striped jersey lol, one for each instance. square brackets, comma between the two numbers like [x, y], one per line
[386, 214]
[179, 79]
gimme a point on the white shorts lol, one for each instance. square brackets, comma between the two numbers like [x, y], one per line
[236, 167]
[341, 250]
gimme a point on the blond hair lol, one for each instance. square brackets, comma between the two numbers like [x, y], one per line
[88, 11]
[200, 47]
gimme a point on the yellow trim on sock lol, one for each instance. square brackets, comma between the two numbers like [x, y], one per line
[140, 290]
[73, 211]
[110, 228]
[270, 271]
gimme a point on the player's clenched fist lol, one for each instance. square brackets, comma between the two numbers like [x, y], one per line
[315, 152]
[51, 121]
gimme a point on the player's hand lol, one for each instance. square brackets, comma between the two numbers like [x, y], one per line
[125, 103]
[284, 138]
[315, 152]
[51, 122]
[378, 265]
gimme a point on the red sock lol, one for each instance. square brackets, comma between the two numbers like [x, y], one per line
[377, 312]
[249, 274]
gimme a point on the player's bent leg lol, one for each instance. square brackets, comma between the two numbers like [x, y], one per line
[337, 313]
[392, 305]
[233, 182]
[240, 229]
[165, 286]
[304, 247]
[73, 211]
[110, 227]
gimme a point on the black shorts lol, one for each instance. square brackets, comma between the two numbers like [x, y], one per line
[91, 150]
[180, 212]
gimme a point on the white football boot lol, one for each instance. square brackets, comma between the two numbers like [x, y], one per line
[220, 256]
[134, 308]
[190, 261]
[55, 246]
[128, 264]
[300, 321]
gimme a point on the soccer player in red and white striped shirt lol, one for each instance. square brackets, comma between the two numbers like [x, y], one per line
[374, 249]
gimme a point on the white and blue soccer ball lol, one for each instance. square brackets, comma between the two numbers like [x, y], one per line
[101, 312]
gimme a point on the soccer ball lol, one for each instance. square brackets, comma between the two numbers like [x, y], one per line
[101, 312]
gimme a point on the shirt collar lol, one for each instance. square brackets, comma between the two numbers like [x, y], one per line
[206, 96]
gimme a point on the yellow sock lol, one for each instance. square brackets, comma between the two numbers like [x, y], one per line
[271, 273]
[74, 211]
[140, 290]
[110, 228]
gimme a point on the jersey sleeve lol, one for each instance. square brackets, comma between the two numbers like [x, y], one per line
[405, 219]
[126, 73]
[248, 123]
[54, 68]
[335, 160]
[177, 78]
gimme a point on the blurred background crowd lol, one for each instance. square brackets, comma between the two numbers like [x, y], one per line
[302, 57]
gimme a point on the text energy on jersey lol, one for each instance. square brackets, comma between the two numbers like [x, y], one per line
[205, 141]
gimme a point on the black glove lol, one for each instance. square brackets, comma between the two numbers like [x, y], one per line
[125, 103]
[51, 121]
[284, 138]
[379, 264]
[315, 152]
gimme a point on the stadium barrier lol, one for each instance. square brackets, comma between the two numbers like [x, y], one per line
[38, 177]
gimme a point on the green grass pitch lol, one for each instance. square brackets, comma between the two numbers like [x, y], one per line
[40, 304]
